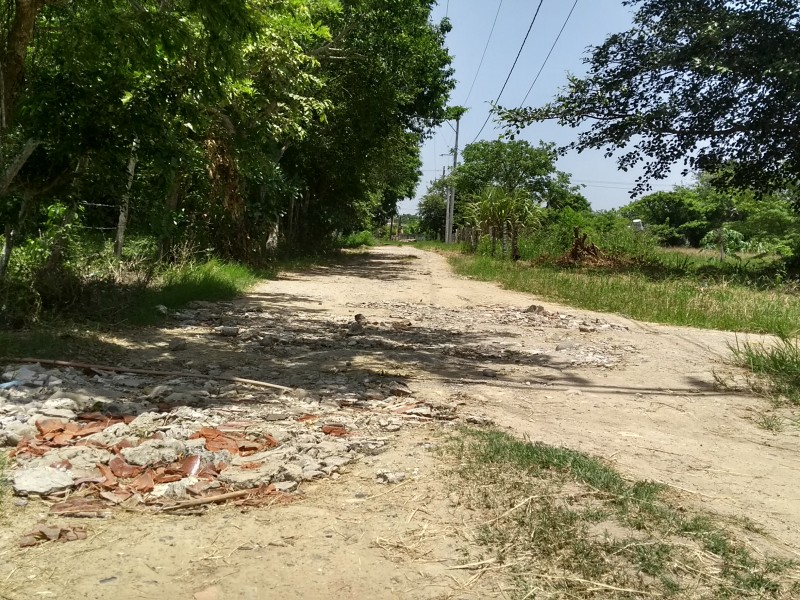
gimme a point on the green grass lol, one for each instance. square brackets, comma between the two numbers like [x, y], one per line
[675, 301]
[563, 524]
[74, 331]
[358, 240]
[212, 281]
[777, 366]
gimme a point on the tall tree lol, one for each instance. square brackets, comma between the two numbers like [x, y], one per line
[515, 166]
[711, 83]
[388, 77]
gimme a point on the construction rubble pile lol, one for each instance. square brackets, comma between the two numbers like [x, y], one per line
[90, 439]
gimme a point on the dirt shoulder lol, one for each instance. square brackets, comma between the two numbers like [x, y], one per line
[642, 396]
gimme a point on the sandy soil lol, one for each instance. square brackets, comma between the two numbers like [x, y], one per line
[643, 396]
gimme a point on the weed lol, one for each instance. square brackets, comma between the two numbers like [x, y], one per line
[776, 364]
[564, 524]
[358, 240]
[768, 422]
[672, 301]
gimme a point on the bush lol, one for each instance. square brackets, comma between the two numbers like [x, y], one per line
[358, 240]
[609, 232]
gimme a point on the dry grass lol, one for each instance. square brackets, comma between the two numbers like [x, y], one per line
[565, 525]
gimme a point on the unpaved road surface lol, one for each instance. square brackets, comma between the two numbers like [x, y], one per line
[645, 397]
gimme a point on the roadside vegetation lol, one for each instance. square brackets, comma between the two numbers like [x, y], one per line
[776, 367]
[560, 523]
[154, 153]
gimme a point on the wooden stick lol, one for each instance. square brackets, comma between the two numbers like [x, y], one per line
[511, 510]
[596, 584]
[474, 565]
[63, 363]
[209, 500]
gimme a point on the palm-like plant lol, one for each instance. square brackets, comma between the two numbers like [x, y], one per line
[498, 211]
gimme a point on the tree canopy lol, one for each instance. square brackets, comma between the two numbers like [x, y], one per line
[713, 84]
[224, 125]
[515, 166]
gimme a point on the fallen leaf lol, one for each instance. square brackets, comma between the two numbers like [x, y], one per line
[306, 418]
[62, 465]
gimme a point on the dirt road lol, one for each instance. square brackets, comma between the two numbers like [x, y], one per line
[642, 396]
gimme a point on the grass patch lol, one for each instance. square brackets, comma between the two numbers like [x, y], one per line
[562, 524]
[776, 365]
[358, 240]
[673, 301]
[212, 281]
[74, 332]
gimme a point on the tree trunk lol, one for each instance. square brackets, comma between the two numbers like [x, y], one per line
[494, 240]
[17, 164]
[10, 236]
[391, 227]
[124, 210]
[12, 63]
[515, 243]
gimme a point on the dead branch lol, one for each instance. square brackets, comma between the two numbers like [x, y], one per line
[75, 365]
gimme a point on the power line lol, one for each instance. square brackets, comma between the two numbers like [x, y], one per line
[485, 48]
[522, 46]
[558, 37]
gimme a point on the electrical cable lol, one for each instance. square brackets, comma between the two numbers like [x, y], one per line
[558, 37]
[522, 46]
[485, 48]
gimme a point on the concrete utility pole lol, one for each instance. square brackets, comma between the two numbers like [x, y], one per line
[451, 197]
[444, 174]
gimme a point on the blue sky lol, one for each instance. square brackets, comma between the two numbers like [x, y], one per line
[590, 24]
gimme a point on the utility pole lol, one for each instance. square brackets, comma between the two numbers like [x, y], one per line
[446, 214]
[451, 199]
